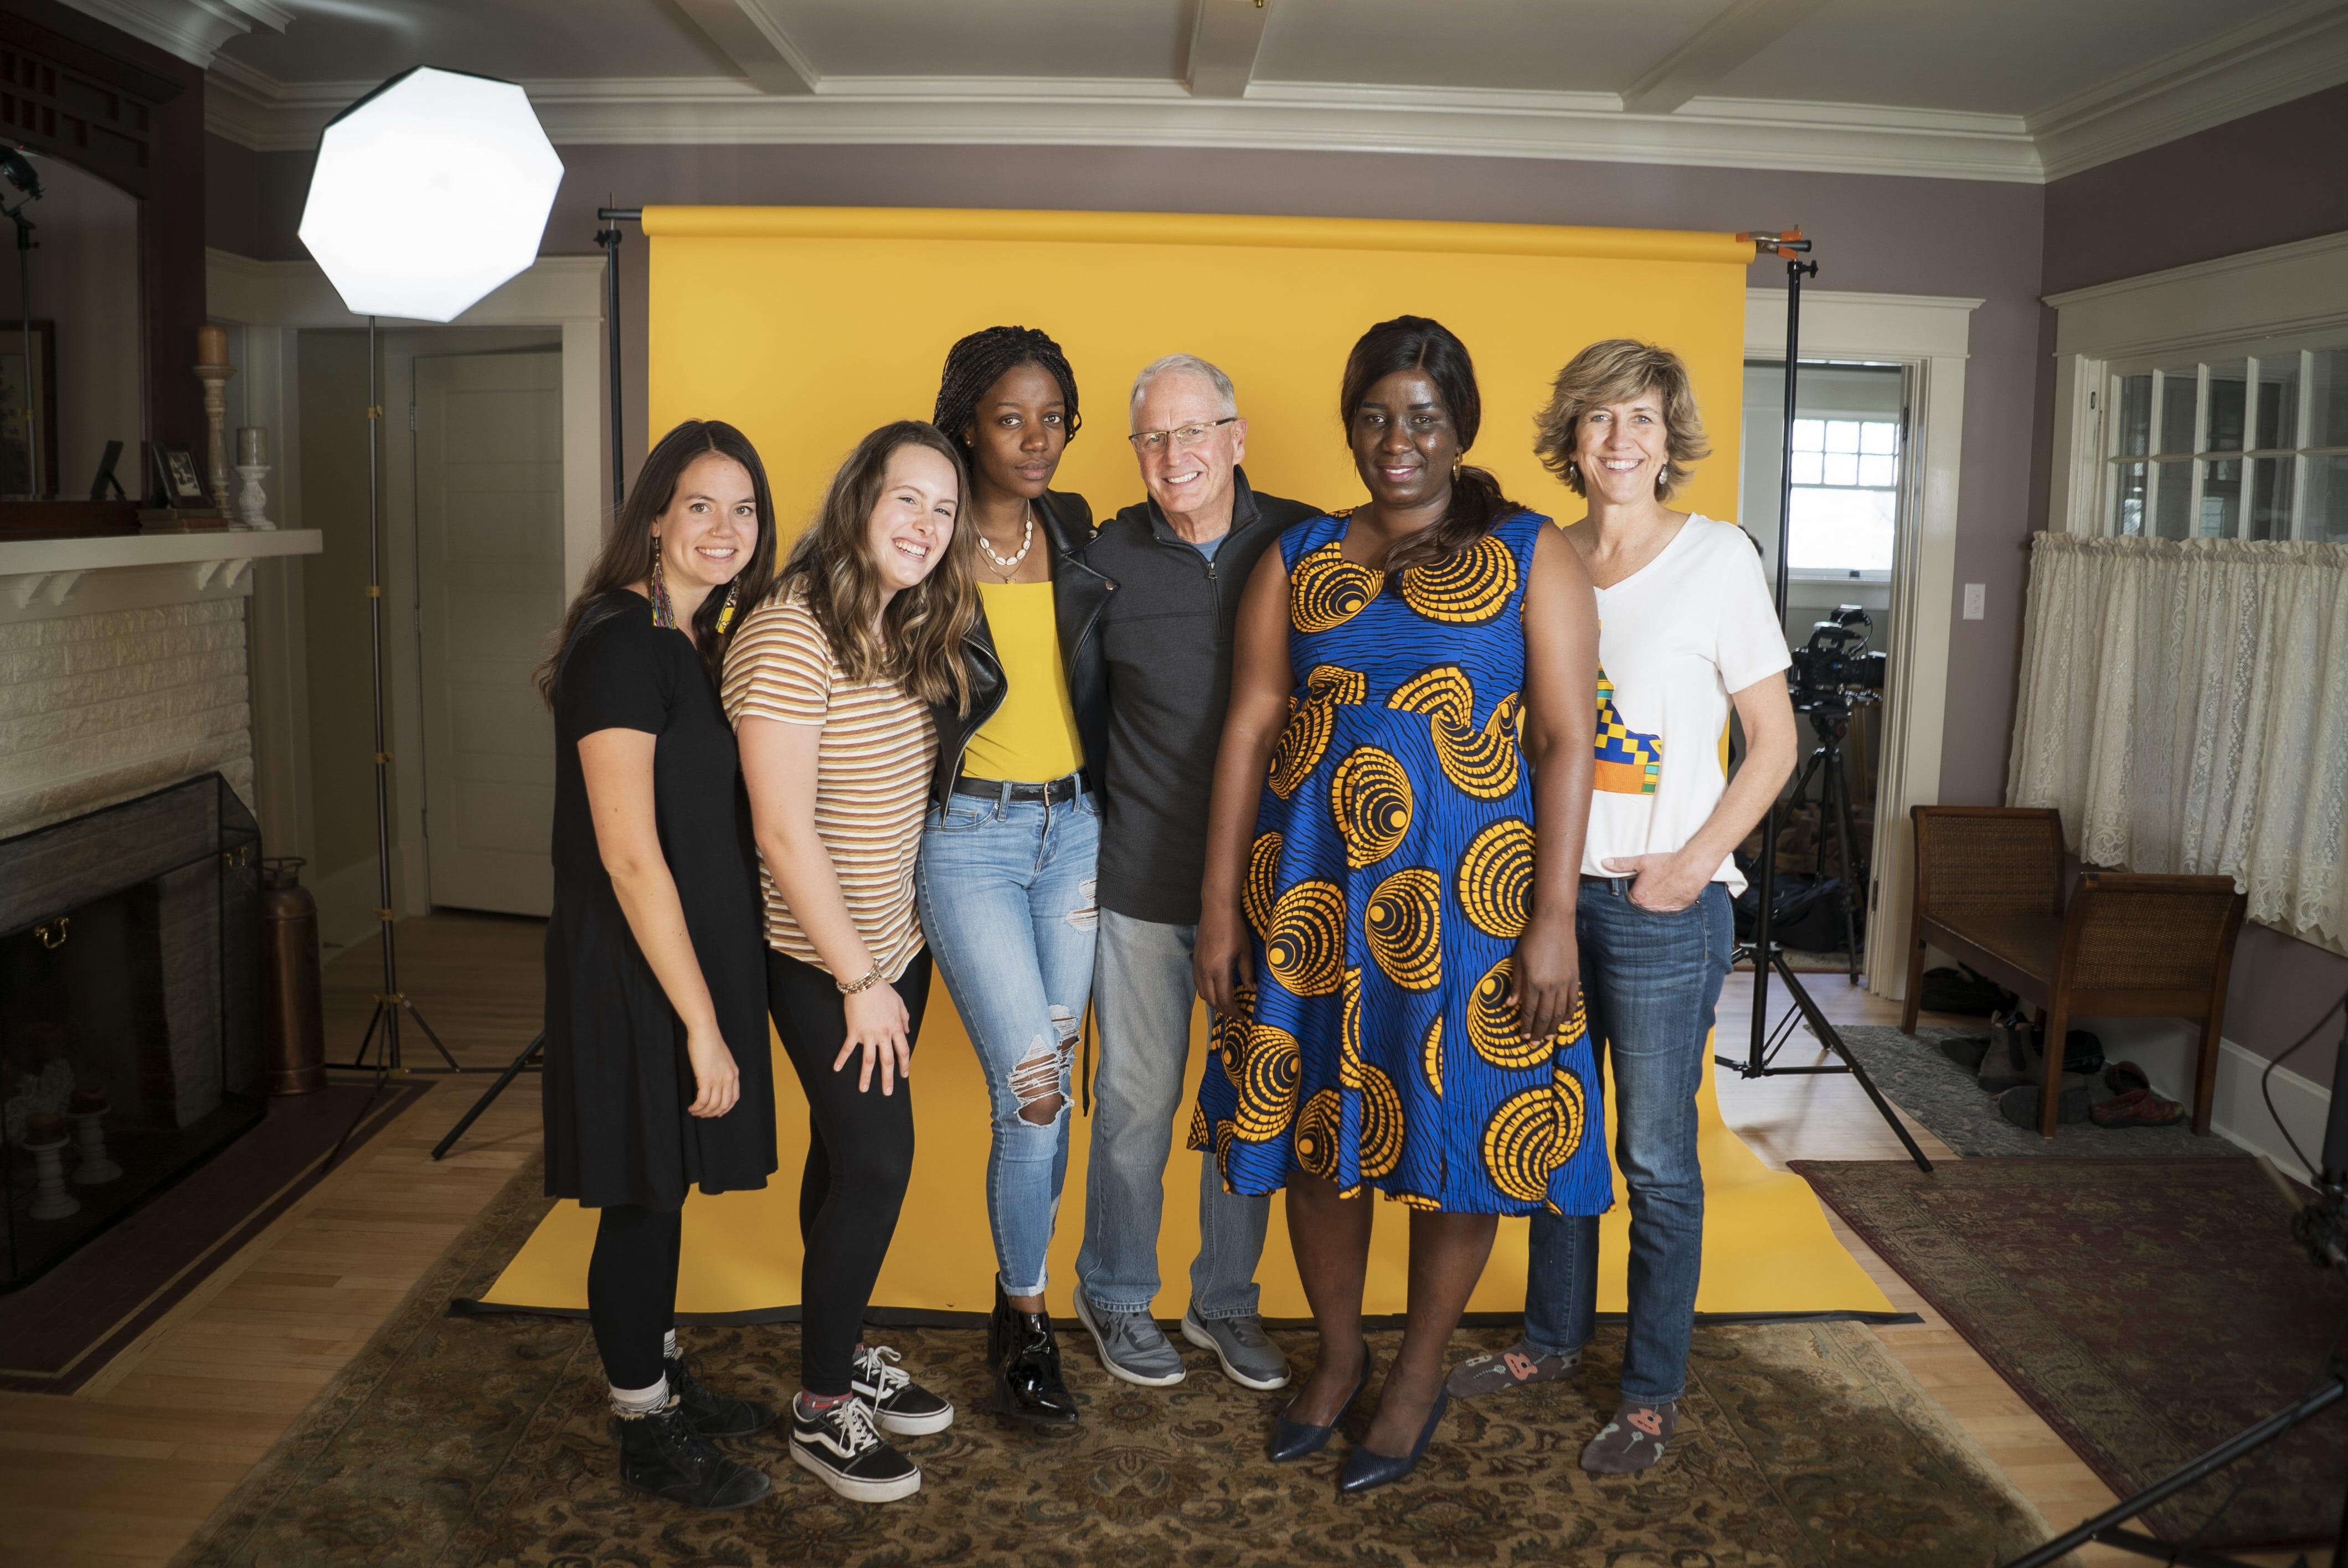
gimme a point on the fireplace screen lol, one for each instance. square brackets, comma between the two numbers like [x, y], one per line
[129, 1007]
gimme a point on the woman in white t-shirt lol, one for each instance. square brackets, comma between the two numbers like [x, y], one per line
[1686, 630]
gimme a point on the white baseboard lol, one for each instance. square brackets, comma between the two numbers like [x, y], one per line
[2164, 1049]
[346, 906]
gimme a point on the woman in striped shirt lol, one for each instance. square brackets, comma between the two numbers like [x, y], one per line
[828, 684]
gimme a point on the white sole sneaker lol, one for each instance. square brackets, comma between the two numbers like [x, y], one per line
[913, 1426]
[853, 1490]
[1196, 1335]
[1084, 1317]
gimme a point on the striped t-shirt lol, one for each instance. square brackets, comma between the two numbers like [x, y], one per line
[872, 776]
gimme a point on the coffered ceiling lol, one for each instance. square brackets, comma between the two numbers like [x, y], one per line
[1998, 89]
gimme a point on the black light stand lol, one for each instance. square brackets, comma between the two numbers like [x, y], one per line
[2320, 1226]
[608, 237]
[1760, 1060]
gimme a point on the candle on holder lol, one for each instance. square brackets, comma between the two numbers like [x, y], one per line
[251, 444]
[45, 1129]
[85, 1101]
[211, 345]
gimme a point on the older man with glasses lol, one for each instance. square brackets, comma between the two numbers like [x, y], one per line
[1180, 560]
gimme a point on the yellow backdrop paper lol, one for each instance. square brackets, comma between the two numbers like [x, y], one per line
[807, 327]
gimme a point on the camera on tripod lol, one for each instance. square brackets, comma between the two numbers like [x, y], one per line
[1835, 667]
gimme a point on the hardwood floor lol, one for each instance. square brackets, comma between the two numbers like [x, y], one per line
[121, 1473]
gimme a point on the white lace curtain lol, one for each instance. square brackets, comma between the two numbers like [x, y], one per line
[2184, 704]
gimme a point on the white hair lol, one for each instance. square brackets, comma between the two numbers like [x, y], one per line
[1189, 364]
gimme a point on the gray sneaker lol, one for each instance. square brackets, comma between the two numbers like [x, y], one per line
[1248, 1359]
[1132, 1345]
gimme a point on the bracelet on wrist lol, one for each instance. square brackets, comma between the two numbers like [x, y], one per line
[849, 987]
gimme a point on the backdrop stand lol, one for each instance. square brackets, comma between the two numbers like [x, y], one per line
[608, 237]
[1767, 1040]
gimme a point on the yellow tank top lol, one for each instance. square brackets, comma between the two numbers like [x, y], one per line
[1032, 736]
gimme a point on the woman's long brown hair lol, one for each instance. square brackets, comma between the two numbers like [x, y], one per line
[627, 553]
[916, 641]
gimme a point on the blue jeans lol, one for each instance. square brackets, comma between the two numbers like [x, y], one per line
[1650, 982]
[1147, 996]
[1006, 905]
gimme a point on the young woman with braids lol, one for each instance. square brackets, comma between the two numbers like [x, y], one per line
[1386, 931]
[656, 1059]
[1007, 854]
[830, 683]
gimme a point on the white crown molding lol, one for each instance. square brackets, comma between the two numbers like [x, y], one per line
[2281, 291]
[2285, 54]
[193, 30]
[247, 107]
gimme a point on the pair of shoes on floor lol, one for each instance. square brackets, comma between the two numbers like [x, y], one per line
[840, 1444]
[1364, 1468]
[1631, 1440]
[2022, 1103]
[668, 1452]
[1134, 1349]
[1024, 1358]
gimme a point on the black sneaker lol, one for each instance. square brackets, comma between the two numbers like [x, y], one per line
[840, 1446]
[902, 1407]
[661, 1453]
[716, 1415]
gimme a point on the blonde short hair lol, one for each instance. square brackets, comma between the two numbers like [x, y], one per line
[1617, 371]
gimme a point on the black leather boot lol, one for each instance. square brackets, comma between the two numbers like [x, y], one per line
[715, 1415]
[1025, 1361]
[661, 1453]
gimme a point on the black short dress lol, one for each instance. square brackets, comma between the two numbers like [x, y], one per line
[617, 1079]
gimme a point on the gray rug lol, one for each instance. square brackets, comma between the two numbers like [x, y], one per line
[1915, 1076]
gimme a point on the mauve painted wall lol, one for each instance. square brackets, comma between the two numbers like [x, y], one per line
[2264, 179]
[1875, 234]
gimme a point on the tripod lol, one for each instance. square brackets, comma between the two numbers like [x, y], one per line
[1760, 1058]
[1829, 717]
[2322, 1226]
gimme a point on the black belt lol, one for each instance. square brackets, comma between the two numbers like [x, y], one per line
[1059, 792]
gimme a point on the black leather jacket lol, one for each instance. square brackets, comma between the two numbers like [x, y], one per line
[1078, 592]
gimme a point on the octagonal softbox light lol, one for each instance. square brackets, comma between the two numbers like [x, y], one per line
[428, 192]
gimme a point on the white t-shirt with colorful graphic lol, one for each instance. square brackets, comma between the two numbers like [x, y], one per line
[1675, 639]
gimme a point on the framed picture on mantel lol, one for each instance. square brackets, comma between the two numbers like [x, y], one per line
[28, 401]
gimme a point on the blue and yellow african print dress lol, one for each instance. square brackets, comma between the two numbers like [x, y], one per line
[1390, 876]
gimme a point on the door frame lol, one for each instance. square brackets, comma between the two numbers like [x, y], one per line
[1929, 334]
[272, 303]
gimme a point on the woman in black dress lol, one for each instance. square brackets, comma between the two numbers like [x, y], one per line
[657, 1072]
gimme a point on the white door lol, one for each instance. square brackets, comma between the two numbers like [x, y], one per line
[488, 540]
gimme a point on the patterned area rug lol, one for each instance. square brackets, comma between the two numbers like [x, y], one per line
[1915, 1076]
[2148, 1310]
[483, 1440]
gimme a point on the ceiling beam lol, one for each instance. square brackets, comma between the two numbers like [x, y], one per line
[753, 42]
[1726, 42]
[1223, 46]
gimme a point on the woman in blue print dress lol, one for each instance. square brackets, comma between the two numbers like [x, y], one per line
[1388, 936]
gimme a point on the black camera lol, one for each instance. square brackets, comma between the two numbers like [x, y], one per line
[1834, 665]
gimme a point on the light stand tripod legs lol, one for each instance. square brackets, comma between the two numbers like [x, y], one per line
[1833, 1043]
[514, 1069]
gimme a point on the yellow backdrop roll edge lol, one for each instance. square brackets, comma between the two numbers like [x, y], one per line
[931, 223]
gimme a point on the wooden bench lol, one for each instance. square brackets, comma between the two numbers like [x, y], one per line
[1989, 892]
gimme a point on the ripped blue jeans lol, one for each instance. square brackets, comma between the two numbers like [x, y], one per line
[1006, 906]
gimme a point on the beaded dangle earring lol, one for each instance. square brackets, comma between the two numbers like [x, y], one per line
[663, 612]
[726, 611]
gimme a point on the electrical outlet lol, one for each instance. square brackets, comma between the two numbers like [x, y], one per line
[1976, 594]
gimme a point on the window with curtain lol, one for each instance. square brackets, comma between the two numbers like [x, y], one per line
[2250, 446]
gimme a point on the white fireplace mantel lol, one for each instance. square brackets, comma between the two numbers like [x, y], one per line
[41, 579]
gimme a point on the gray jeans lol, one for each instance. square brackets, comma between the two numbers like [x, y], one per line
[1143, 995]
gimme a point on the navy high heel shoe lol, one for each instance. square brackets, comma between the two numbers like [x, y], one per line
[1294, 1440]
[1365, 1470]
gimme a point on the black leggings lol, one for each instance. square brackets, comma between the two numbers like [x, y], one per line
[859, 1156]
[631, 1290]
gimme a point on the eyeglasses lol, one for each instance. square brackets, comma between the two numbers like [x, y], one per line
[1150, 443]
